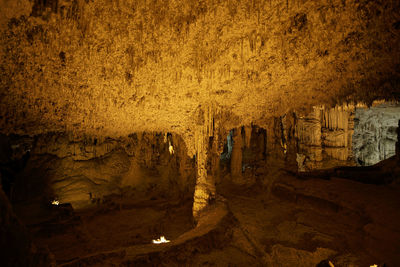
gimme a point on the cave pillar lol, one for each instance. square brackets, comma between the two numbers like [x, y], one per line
[204, 192]
[247, 133]
[290, 148]
[237, 154]
[217, 149]
[271, 147]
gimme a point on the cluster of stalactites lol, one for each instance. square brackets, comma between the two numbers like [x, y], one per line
[325, 132]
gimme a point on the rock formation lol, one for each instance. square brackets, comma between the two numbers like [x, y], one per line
[350, 134]
[82, 171]
[325, 136]
[375, 133]
[108, 69]
[237, 154]
[167, 100]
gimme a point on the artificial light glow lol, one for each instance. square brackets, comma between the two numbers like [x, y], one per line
[160, 240]
[55, 202]
[375, 265]
[171, 149]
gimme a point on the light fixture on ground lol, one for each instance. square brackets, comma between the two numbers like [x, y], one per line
[161, 240]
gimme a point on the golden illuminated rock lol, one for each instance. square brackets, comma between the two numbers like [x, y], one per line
[110, 68]
[106, 69]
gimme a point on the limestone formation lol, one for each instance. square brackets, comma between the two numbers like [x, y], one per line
[325, 136]
[205, 192]
[375, 133]
[237, 154]
[112, 68]
[351, 134]
[107, 104]
[83, 171]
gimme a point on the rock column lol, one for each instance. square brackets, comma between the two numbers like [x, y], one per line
[237, 156]
[204, 191]
[247, 133]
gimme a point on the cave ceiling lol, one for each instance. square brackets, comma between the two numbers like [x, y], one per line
[111, 68]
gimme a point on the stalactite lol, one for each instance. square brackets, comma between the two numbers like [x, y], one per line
[326, 134]
[308, 129]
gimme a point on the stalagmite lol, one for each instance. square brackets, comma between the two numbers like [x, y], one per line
[204, 191]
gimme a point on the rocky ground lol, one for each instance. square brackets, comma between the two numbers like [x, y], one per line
[295, 221]
[307, 221]
[112, 225]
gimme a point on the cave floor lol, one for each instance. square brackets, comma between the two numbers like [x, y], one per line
[290, 222]
[111, 226]
[303, 222]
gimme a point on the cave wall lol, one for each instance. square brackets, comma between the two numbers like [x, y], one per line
[110, 68]
[347, 135]
[326, 137]
[85, 170]
[375, 133]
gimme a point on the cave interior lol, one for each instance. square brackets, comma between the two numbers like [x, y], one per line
[200, 133]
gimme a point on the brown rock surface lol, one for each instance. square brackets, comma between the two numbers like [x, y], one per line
[118, 105]
[112, 68]
[82, 172]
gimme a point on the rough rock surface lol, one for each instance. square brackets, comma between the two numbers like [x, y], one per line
[347, 135]
[83, 171]
[110, 68]
[324, 137]
[371, 233]
[375, 133]
[213, 231]
[95, 72]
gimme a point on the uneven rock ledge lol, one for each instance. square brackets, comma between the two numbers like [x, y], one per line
[214, 230]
